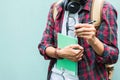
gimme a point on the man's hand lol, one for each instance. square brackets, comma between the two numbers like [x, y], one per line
[86, 31]
[72, 52]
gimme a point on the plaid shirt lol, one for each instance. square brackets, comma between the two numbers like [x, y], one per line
[93, 66]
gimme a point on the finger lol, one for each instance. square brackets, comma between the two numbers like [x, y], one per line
[80, 30]
[83, 25]
[73, 59]
[87, 37]
[77, 26]
[79, 56]
[77, 51]
[81, 52]
[79, 59]
[76, 46]
[86, 34]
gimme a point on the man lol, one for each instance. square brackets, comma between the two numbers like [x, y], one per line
[95, 48]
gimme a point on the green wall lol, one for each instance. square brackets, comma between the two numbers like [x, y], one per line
[21, 26]
[116, 4]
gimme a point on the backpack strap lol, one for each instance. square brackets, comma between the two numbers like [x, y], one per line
[55, 12]
[96, 12]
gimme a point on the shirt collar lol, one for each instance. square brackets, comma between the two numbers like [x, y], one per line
[86, 7]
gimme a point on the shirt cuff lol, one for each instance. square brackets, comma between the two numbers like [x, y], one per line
[43, 52]
[103, 58]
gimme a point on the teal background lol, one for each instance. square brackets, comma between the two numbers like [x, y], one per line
[21, 26]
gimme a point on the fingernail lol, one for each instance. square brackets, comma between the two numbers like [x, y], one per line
[77, 51]
[80, 59]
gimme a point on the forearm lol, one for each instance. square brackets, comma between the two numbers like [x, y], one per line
[97, 45]
[105, 53]
[52, 52]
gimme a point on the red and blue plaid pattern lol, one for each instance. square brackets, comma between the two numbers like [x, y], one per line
[92, 67]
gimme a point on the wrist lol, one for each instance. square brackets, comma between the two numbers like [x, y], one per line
[92, 41]
[57, 53]
[97, 45]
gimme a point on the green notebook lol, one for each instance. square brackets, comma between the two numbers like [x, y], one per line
[66, 64]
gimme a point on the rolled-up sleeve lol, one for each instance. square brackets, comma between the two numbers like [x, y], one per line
[47, 39]
[107, 33]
